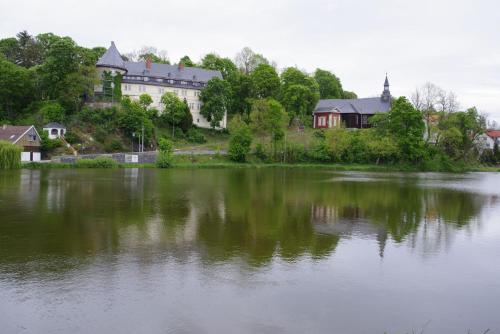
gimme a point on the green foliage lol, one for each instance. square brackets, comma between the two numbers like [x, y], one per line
[16, 88]
[195, 136]
[165, 155]
[269, 117]
[71, 137]
[329, 85]
[214, 62]
[145, 100]
[265, 82]
[241, 94]
[49, 145]
[113, 145]
[187, 120]
[52, 112]
[10, 155]
[216, 98]
[132, 118]
[300, 93]
[240, 140]
[349, 95]
[100, 162]
[174, 110]
[186, 61]
[406, 126]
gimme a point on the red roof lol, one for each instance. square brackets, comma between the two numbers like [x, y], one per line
[493, 133]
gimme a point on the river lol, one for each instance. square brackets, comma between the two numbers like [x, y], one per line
[264, 250]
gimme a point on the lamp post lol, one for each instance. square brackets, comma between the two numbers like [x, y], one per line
[133, 136]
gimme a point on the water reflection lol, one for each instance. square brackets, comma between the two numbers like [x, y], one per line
[218, 215]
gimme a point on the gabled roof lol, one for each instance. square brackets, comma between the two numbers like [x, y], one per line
[12, 133]
[111, 58]
[370, 105]
[170, 71]
[54, 125]
[493, 133]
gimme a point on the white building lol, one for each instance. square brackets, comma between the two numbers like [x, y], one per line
[145, 77]
[55, 130]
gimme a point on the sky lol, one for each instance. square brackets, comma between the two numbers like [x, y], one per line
[454, 44]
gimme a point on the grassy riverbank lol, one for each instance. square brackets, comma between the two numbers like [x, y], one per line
[211, 161]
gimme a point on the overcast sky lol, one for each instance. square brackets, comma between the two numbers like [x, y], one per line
[452, 43]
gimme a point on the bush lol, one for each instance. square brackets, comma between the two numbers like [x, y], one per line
[239, 143]
[195, 136]
[100, 162]
[71, 137]
[10, 155]
[52, 112]
[260, 152]
[100, 134]
[164, 157]
[113, 145]
[49, 145]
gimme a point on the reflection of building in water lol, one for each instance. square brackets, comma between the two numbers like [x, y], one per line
[29, 189]
[347, 221]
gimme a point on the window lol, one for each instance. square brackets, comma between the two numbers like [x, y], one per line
[322, 121]
[199, 106]
[142, 88]
[197, 120]
[176, 92]
[161, 90]
[191, 105]
[184, 92]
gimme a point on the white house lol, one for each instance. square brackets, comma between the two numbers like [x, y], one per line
[55, 130]
[146, 77]
[24, 136]
[488, 139]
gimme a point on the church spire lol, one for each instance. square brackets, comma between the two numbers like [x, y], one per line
[386, 94]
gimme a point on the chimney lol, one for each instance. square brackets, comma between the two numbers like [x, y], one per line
[148, 63]
[181, 66]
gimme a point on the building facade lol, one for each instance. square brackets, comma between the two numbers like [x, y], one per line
[146, 77]
[54, 130]
[352, 113]
[25, 137]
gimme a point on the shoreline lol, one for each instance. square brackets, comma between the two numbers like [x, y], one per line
[257, 165]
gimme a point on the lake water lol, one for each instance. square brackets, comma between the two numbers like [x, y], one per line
[248, 251]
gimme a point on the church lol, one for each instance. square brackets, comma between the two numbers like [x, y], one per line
[146, 77]
[352, 113]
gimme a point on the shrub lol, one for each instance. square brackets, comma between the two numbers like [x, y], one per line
[10, 155]
[100, 162]
[239, 143]
[164, 157]
[52, 112]
[195, 136]
[260, 152]
[113, 145]
[71, 137]
[100, 134]
[49, 145]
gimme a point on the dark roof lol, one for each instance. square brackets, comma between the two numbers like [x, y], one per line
[54, 125]
[12, 133]
[370, 105]
[170, 71]
[111, 58]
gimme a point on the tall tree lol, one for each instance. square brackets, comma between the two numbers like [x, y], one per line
[329, 85]
[16, 88]
[173, 110]
[247, 60]
[269, 117]
[216, 98]
[265, 82]
[300, 92]
[186, 61]
[214, 62]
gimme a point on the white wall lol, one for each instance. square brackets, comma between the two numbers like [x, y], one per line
[191, 95]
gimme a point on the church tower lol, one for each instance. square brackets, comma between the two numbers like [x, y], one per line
[386, 94]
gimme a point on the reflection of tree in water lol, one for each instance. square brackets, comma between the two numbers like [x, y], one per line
[395, 209]
[218, 214]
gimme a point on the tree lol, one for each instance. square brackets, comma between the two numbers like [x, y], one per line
[349, 95]
[214, 62]
[9, 48]
[173, 110]
[329, 85]
[149, 52]
[132, 118]
[186, 61]
[265, 82]
[164, 157]
[216, 98]
[16, 88]
[300, 92]
[145, 100]
[240, 139]
[29, 51]
[241, 94]
[269, 117]
[405, 124]
[187, 120]
[247, 60]
[52, 112]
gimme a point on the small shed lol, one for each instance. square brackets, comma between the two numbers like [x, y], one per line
[24, 136]
[55, 130]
